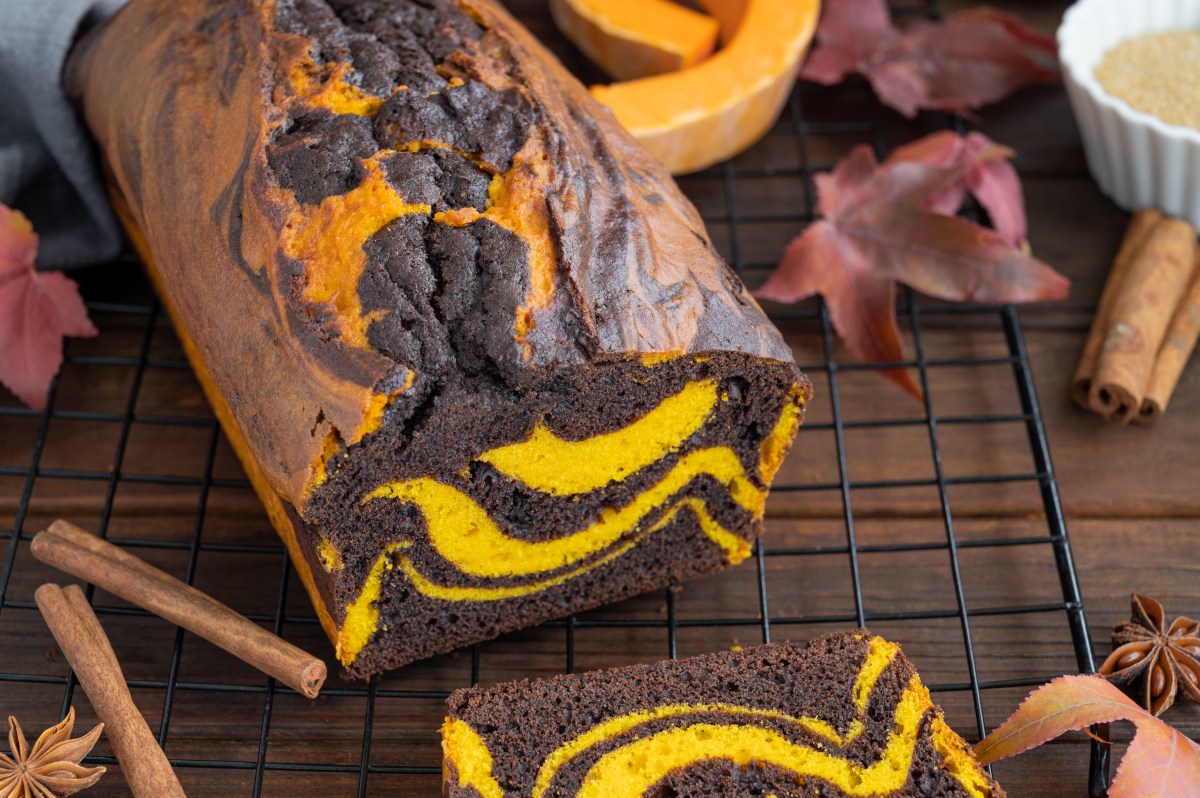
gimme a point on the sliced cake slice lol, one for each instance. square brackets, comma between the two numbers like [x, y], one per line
[846, 715]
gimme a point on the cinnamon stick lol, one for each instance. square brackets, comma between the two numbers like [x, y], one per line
[1173, 356]
[81, 554]
[87, 649]
[1139, 226]
[1140, 313]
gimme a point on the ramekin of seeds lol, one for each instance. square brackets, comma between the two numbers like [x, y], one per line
[1132, 72]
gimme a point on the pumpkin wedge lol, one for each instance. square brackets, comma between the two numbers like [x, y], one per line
[706, 113]
[632, 39]
[728, 14]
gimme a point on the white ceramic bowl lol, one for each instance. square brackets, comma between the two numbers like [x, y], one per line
[1138, 159]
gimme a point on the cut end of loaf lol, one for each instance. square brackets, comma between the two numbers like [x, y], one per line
[500, 512]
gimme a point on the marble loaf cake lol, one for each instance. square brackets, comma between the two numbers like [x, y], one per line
[474, 347]
[845, 715]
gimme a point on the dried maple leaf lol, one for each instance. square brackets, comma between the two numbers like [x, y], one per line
[971, 59]
[36, 310]
[992, 179]
[848, 33]
[1160, 761]
[51, 767]
[877, 231]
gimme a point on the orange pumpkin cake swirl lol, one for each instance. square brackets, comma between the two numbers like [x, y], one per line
[474, 348]
[845, 715]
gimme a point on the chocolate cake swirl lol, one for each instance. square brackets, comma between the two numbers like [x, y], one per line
[845, 715]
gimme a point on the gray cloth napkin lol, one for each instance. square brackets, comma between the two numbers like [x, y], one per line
[47, 159]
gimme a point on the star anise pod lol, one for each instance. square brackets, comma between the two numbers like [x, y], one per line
[1153, 662]
[51, 768]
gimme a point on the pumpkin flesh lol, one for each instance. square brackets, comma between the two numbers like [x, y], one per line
[632, 39]
[707, 113]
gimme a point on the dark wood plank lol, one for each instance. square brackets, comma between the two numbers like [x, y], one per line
[1156, 555]
[1103, 471]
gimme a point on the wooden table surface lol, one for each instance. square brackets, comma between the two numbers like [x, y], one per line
[1129, 494]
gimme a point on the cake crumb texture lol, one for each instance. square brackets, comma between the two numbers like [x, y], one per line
[846, 715]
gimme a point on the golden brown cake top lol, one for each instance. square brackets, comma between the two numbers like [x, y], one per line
[466, 153]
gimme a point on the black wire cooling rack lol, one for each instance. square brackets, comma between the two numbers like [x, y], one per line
[898, 521]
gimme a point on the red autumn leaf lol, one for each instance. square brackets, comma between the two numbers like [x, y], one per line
[849, 32]
[876, 232]
[36, 310]
[992, 180]
[1160, 761]
[971, 59]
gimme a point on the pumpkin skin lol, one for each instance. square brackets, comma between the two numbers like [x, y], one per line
[705, 114]
[632, 39]
[416, 291]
